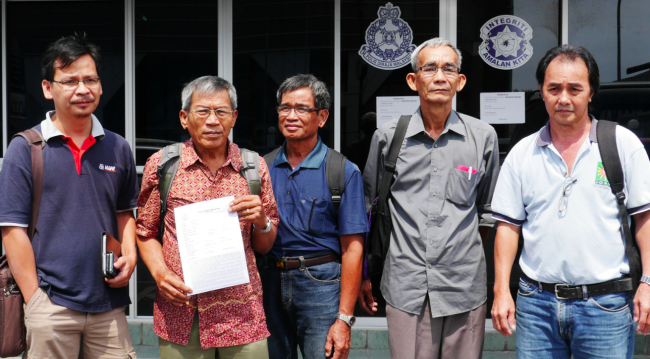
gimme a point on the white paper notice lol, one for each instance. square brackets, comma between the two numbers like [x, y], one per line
[211, 245]
[503, 107]
[389, 108]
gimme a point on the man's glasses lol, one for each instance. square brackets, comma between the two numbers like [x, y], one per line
[73, 84]
[431, 70]
[221, 113]
[566, 191]
[300, 111]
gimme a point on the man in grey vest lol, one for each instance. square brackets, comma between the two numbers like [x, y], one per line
[434, 277]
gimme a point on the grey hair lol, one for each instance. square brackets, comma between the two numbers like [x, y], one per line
[435, 42]
[207, 85]
[317, 87]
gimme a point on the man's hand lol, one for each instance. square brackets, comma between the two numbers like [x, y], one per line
[367, 302]
[172, 288]
[250, 209]
[338, 340]
[503, 313]
[126, 265]
[642, 308]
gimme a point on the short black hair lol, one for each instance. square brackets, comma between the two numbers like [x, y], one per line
[67, 50]
[570, 53]
[317, 87]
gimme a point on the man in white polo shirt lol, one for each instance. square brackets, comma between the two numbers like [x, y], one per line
[553, 186]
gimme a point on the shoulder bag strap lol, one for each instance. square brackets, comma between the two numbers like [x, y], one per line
[335, 173]
[606, 134]
[166, 171]
[36, 144]
[391, 161]
[269, 157]
[251, 171]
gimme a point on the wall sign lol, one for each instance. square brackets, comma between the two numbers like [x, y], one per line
[388, 40]
[506, 42]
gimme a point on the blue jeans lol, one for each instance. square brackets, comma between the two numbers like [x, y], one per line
[300, 307]
[598, 327]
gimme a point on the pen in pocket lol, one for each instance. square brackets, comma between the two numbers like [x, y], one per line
[469, 171]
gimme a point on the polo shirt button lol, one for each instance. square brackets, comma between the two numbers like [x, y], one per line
[429, 266]
[288, 192]
[435, 169]
[435, 145]
[431, 218]
[431, 242]
[433, 194]
[290, 177]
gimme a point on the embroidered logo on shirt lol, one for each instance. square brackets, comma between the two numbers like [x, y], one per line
[106, 168]
[601, 176]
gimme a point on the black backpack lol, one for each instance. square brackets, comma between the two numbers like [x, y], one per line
[168, 167]
[606, 134]
[334, 171]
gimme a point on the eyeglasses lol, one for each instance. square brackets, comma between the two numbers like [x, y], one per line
[300, 111]
[73, 84]
[221, 113]
[566, 191]
[430, 70]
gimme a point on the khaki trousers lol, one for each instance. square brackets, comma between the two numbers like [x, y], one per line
[169, 350]
[54, 331]
[420, 337]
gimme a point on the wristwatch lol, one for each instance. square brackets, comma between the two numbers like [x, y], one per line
[265, 230]
[348, 319]
[645, 279]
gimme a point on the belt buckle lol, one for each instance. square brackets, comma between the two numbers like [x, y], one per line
[557, 295]
[282, 263]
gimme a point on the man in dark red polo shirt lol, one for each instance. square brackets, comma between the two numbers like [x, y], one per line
[89, 186]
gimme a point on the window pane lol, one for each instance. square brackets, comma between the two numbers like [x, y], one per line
[31, 27]
[272, 41]
[175, 43]
[361, 82]
[543, 17]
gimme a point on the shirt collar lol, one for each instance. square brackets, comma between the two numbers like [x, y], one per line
[190, 157]
[48, 130]
[453, 123]
[313, 160]
[544, 138]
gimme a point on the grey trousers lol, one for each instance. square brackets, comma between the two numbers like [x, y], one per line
[420, 337]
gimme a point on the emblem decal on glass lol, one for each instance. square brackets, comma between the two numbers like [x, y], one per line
[506, 42]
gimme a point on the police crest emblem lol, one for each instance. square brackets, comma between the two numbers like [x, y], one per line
[388, 40]
[506, 42]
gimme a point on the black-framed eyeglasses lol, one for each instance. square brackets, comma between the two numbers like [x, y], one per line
[73, 84]
[430, 70]
[566, 191]
[221, 113]
[300, 111]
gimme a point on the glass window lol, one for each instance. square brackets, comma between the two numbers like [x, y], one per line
[31, 27]
[543, 18]
[175, 43]
[625, 87]
[361, 82]
[272, 41]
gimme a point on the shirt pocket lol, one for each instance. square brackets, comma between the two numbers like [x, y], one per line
[308, 215]
[461, 190]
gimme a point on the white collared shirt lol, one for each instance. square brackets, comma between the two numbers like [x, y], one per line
[585, 244]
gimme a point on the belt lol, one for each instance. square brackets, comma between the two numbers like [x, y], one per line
[566, 291]
[294, 262]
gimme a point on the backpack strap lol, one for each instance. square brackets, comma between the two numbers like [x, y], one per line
[606, 134]
[251, 171]
[166, 171]
[391, 161]
[269, 157]
[36, 144]
[335, 173]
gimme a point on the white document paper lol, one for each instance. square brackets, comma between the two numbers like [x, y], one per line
[389, 108]
[503, 107]
[211, 245]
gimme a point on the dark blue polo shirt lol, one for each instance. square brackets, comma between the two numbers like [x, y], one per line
[75, 209]
[308, 220]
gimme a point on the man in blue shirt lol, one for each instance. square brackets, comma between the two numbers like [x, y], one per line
[311, 276]
[89, 186]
